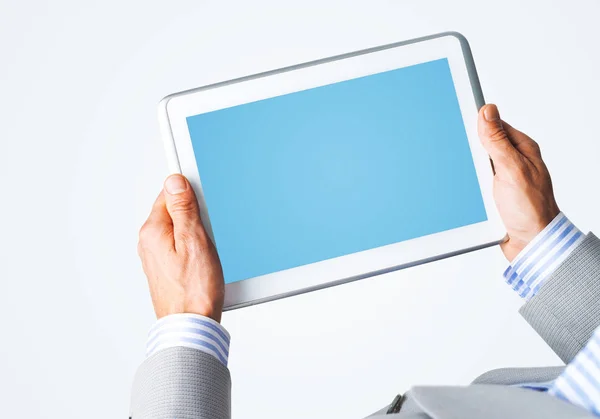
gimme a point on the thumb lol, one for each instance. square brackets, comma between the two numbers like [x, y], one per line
[494, 138]
[182, 205]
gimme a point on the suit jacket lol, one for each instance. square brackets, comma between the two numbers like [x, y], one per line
[186, 383]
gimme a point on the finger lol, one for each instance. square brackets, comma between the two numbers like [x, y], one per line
[182, 206]
[495, 138]
[159, 213]
[158, 228]
[522, 142]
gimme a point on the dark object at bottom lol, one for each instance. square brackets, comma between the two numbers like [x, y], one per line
[396, 404]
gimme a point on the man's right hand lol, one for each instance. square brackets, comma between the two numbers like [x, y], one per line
[522, 186]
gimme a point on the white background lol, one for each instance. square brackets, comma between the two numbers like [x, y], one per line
[81, 162]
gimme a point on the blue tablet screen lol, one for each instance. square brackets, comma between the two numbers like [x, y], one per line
[334, 170]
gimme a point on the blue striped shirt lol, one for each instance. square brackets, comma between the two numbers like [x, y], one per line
[192, 331]
[579, 384]
[538, 260]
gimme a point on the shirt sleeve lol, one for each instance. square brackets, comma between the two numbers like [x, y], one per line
[580, 382]
[191, 331]
[540, 258]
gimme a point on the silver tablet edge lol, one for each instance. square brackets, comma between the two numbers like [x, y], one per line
[363, 276]
[170, 149]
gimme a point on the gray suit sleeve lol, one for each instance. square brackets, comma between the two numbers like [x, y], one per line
[181, 383]
[566, 310]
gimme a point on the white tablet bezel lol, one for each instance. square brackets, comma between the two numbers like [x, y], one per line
[174, 109]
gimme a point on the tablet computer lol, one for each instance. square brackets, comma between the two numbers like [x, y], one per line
[338, 169]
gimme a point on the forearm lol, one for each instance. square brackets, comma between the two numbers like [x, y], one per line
[181, 382]
[565, 312]
[185, 373]
[558, 274]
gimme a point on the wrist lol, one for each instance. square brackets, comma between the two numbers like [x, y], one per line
[207, 306]
[206, 303]
[519, 239]
[530, 268]
[212, 312]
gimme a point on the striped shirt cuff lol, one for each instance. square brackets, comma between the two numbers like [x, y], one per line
[580, 381]
[540, 258]
[191, 331]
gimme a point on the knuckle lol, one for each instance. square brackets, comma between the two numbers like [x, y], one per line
[183, 206]
[149, 234]
[140, 249]
[497, 133]
[536, 148]
[146, 232]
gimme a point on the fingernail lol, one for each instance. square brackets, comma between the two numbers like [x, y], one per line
[491, 113]
[175, 184]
